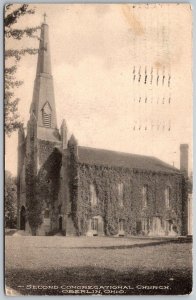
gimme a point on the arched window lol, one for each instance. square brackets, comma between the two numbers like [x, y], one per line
[46, 115]
[167, 196]
[120, 194]
[145, 195]
[93, 195]
[121, 225]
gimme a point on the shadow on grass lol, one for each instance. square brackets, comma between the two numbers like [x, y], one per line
[139, 245]
[138, 282]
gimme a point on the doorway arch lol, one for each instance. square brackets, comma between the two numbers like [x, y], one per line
[60, 223]
[22, 218]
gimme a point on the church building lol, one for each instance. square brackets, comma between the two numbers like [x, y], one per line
[68, 189]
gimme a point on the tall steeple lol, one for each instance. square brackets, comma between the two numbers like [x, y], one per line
[44, 63]
[43, 102]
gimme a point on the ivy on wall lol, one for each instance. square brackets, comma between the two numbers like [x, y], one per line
[34, 206]
[45, 148]
[73, 183]
[42, 188]
[46, 186]
[106, 180]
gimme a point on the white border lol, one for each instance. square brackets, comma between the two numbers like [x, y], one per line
[2, 3]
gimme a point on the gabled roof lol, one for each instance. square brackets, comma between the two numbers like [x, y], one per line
[119, 159]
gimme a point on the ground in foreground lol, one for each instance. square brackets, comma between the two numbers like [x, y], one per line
[108, 266]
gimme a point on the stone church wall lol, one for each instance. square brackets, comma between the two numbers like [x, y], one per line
[133, 214]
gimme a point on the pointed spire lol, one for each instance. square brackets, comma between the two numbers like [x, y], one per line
[64, 132]
[72, 140]
[64, 125]
[73, 146]
[43, 103]
[44, 63]
[44, 15]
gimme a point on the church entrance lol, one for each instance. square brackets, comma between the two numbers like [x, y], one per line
[22, 218]
[60, 223]
[95, 226]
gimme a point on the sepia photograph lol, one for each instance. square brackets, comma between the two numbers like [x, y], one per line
[98, 137]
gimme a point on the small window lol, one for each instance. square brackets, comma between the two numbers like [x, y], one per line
[46, 213]
[120, 194]
[94, 224]
[145, 224]
[145, 195]
[93, 195]
[167, 196]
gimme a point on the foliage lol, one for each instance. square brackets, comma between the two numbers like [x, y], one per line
[106, 179]
[13, 12]
[10, 201]
[42, 187]
[73, 172]
[34, 205]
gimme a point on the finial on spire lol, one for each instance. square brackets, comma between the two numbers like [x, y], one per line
[44, 15]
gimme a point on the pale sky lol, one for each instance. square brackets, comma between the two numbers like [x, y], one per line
[98, 53]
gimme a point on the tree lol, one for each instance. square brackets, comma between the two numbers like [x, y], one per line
[10, 201]
[13, 12]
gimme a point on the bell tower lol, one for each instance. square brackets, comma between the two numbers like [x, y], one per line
[43, 109]
[43, 102]
[41, 139]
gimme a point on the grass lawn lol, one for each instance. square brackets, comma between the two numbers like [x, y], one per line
[63, 265]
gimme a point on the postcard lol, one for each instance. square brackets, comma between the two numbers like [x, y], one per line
[98, 149]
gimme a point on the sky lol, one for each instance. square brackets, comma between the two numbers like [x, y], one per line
[122, 76]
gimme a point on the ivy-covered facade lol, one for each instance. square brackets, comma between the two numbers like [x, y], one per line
[64, 188]
[118, 200]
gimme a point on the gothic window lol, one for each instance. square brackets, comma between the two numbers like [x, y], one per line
[120, 194]
[167, 196]
[93, 195]
[46, 115]
[145, 195]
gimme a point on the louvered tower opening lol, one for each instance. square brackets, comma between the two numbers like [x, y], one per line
[46, 119]
[47, 115]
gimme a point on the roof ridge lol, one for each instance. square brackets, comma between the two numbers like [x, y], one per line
[123, 158]
[117, 151]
